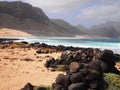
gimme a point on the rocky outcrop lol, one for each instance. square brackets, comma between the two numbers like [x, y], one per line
[86, 75]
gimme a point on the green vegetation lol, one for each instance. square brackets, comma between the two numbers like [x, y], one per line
[60, 68]
[111, 81]
[49, 88]
[38, 87]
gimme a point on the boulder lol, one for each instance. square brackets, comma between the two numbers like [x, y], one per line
[67, 81]
[104, 67]
[57, 87]
[92, 75]
[50, 62]
[77, 56]
[96, 65]
[28, 86]
[60, 79]
[107, 56]
[77, 86]
[63, 80]
[77, 77]
[65, 55]
[94, 84]
[74, 67]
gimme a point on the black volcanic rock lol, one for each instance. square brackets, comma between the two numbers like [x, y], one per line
[28, 86]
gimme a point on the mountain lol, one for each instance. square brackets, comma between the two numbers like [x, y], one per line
[109, 29]
[67, 26]
[104, 31]
[82, 28]
[24, 17]
[116, 25]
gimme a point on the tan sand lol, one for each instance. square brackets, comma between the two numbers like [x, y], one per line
[118, 66]
[15, 72]
[5, 32]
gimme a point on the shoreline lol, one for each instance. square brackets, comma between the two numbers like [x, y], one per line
[29, 40]
[9, 39]
[21, 62]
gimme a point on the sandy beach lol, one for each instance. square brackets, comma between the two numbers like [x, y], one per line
[19, 66]
[15, 72]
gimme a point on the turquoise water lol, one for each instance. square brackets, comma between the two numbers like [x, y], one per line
[113, 44]
[102, 43]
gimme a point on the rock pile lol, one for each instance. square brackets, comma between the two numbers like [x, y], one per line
[84, 66]
[106, 58]
[85, 70]
[87, 77]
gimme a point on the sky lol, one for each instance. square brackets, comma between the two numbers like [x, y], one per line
[84, 12]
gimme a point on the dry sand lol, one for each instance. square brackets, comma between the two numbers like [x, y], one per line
[15, 72]
[5, 32]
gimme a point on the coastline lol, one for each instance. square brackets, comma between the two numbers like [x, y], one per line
[15, 71]
[90, 36]
[20, 64]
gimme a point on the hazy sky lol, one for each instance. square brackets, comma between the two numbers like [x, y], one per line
[85, 12]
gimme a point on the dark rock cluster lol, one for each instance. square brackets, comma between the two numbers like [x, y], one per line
[80, 56]
[84, 66]
[43, 47]
[84, 69]
[80, 78]
[106, 58]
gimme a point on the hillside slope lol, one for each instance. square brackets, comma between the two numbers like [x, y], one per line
[106, 30]
[67, 26]
[24, 17]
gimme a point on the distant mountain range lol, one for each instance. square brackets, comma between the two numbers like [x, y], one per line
[24, 17]
[109, 29]
[32, 20]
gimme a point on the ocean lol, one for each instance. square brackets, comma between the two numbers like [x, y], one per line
[102, 43]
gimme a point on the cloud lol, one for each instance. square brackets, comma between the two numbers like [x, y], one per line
[104, 12]
[58, 6]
